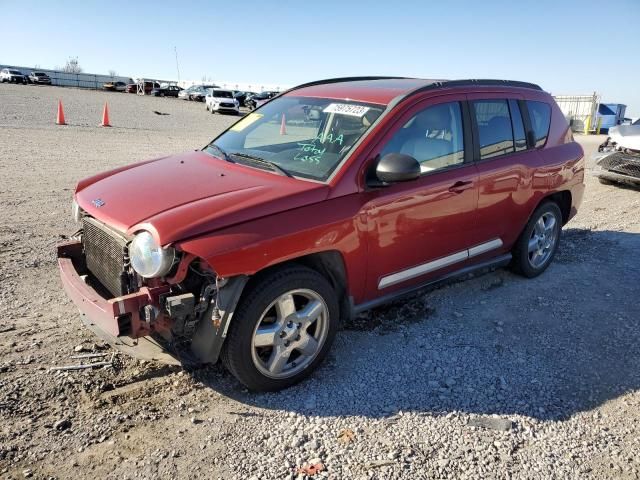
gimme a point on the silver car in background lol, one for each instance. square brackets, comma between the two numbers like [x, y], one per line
[196, 93]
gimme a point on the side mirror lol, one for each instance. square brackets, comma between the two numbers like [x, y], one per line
[397, 167]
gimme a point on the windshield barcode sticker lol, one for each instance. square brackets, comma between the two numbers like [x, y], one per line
[347, 109]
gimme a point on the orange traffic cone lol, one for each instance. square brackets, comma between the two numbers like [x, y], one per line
[60, 117]
[105, 116]
[283, 127]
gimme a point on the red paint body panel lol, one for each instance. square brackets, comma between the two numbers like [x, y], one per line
[241, 220]
[381, 92]
[185, 195]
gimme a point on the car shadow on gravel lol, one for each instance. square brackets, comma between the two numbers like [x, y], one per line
[547, 348]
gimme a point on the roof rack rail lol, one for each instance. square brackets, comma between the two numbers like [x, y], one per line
[480, 82]
[344, 79]
[431, 86]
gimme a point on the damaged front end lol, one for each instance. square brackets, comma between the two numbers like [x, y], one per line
[181, 317]
[615, 162]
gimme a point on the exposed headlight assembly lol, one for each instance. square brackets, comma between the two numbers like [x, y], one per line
[148, 258]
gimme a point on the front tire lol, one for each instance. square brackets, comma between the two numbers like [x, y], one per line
[539, 241]
[282, 329]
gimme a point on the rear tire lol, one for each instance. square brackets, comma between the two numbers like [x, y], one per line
[282, 329]
[538, 243]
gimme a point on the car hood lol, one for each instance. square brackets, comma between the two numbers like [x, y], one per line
[185, 195]
[626, 136]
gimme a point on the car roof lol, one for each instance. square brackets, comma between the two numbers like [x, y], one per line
[382, 90]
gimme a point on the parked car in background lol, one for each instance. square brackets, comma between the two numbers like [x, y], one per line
[331, 199]
[39, 78]
[10, 75]
[618, 160]
[241, 96]
[148, 86]
[196, 93]
[166, 91]
[258, 99]
[219, 100]
[115, 86]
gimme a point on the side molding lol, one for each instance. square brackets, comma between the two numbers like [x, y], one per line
[428, 267]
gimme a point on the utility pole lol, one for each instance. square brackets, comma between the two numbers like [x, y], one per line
[177, 66]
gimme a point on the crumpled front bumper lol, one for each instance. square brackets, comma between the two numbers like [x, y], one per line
[617, 166]
[117, 321]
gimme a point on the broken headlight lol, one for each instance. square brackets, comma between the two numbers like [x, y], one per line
[148, 258]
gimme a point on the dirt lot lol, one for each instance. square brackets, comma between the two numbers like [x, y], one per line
[495, 377]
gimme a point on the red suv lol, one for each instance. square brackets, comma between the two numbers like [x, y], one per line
[332, 198]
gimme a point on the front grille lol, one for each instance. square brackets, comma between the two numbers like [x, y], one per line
[227, 105]
[624, 163]
[106, 256]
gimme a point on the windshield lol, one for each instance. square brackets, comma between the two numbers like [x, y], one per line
[222, 94]
[307, 137]
[15, 72]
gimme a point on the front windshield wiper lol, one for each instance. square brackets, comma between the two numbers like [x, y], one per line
[223, 154]
[274, 166]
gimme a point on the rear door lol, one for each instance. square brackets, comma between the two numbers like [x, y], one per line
[504, 162]
[422, 229]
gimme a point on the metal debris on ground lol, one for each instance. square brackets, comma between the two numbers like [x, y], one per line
[89, 355]
[83, 366]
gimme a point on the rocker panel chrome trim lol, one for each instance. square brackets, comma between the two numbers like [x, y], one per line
[428, 267]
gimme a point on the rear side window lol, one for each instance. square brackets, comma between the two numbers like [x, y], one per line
[540, 114]
[494, 128]
[518, 127]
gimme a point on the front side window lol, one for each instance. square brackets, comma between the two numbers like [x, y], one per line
[306, 137]
[494, 128]
[433, 137]
[540, 114]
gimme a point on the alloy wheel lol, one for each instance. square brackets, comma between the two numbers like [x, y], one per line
[290, 333]
[543, 239]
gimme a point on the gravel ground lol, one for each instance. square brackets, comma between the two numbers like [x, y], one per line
[495, 377]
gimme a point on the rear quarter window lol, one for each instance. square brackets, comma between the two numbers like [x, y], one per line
[540, 114]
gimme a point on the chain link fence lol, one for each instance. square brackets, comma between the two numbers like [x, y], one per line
[78, 80]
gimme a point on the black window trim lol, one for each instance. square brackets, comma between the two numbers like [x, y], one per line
[510, 102]
[528, 129]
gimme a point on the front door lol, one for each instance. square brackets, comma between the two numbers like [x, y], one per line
[423, 228]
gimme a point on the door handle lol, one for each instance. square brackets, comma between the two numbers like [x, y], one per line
[460, 187]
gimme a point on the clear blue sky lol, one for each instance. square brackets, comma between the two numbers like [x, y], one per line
[567, 46]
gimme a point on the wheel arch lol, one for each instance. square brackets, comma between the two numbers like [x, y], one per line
[563, 199]
[329, 263]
